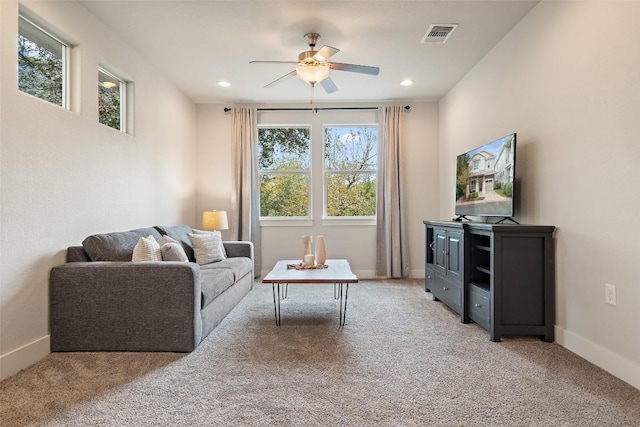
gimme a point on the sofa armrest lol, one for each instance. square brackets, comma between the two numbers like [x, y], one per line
[238, 249]
[125, 306]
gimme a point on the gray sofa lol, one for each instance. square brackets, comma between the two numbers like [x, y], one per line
[101, 301]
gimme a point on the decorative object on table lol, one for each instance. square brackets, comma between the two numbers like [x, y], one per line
[306, 241]
[301, 266]
[309, 260]
[321, 252]
[215, 220]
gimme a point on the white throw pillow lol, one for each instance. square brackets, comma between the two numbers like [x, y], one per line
[207, 247]
[147, 249]
[224, 252]
[172, 250]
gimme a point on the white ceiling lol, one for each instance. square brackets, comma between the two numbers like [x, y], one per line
[198, 43]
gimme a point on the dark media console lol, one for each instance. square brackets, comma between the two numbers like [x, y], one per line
[500, 276]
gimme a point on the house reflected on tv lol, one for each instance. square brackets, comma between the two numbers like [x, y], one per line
[484, 181]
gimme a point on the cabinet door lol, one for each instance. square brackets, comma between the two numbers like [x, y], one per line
[440, 250]
[455, 247]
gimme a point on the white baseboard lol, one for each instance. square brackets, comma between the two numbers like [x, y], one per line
[24, 356]
[602, 357]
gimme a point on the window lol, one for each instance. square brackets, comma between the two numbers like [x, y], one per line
[42, 64]
[284, 167]
[350, 170]
[111, 100]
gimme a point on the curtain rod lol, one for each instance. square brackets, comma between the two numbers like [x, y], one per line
[406, 107]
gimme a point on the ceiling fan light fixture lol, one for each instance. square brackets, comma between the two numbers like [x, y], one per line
[312, 74]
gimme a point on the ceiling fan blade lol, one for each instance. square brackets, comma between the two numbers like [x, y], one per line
[272, 62]
[328, 85]
[281, 79]
[362, 69]
[325, 53]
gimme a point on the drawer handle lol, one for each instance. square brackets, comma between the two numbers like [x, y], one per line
[478, 305]
[444, 288]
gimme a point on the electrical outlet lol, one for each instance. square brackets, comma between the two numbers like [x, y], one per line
[610, 294]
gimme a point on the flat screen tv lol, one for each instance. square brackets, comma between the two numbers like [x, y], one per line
[485, 178]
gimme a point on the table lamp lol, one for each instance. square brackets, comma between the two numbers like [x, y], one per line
[215, 220]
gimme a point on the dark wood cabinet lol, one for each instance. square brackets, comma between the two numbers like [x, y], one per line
[500, 276]
[445, 267]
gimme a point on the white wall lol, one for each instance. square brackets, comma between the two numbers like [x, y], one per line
[356, 243]
[571, 91]
[64, 176]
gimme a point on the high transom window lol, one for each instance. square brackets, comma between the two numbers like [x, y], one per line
[42, 63]
[111, 100]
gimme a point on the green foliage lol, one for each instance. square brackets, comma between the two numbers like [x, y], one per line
[109, 106]
[497, 185]
[351, 195]
[284, 158]
[508, 189]
[352, 152]
[281, 150]
[284, 148]
[40, 71]
[462, 175]
[284, 195]
[473, 195]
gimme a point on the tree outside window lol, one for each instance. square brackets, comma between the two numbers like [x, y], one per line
[41, 64]
[284, 163]
[350, 169]
[110, 100]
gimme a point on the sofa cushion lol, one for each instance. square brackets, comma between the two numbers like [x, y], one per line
[147, 249]
[239, 266]
[116, 246]
[180, 233]
[217, 277]
[213, 282]
[207, 247]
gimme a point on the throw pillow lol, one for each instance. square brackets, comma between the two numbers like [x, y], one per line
[172, 250]
[207, 247]
[224, 252]
[147, 249]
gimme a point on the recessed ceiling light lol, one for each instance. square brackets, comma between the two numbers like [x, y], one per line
[224, 83]
[407, 82]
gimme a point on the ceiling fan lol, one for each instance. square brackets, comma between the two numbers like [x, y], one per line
[312, 66]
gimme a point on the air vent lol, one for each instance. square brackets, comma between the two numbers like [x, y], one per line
[438, 33]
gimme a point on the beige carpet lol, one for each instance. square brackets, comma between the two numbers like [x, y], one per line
[401, 360]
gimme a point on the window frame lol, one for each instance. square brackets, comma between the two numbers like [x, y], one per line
[287, 220]
[123, 98]
[26, 26]
[351, 220]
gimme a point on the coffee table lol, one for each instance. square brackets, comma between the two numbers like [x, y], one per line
[337, 272]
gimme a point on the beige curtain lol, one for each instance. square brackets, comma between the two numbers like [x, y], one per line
[391, 243]
[245, 197]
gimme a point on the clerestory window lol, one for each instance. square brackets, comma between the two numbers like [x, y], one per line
[42, 63]
[111, 100]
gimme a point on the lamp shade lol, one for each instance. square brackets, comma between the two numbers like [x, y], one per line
[215, 220]
[312, 74]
